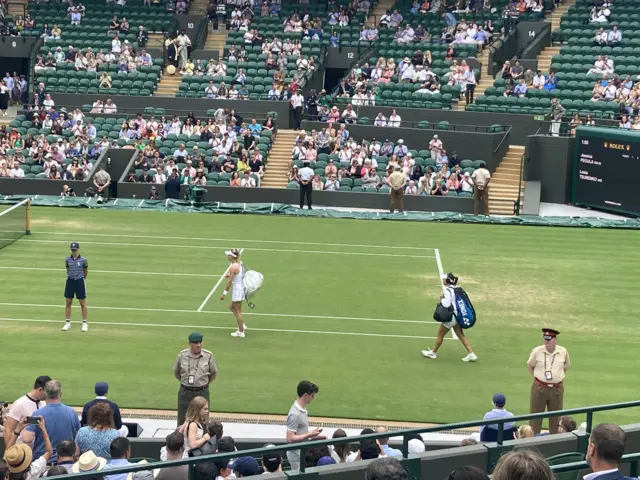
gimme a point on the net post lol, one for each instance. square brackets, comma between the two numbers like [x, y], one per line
[28, 217]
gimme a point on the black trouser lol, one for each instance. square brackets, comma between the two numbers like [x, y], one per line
[305, 191]
[185, 395]
[297, 117]
[471, 88]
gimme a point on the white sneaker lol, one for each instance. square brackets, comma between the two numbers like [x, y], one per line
[67, 326]
[471, 357]
[85, 327]
[245, 326]
[429, 354]
[238, 333]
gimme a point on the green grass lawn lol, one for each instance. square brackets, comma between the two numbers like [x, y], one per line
[346, 304]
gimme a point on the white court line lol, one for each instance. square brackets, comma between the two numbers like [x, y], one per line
[441, 271]
[112, 271]
[216, 285]
[70, 234]
[118, 244]
[211, 327]
[226, 312]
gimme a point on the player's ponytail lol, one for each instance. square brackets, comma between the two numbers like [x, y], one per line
[451, 279]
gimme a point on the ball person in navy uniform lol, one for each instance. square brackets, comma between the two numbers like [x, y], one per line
[77, 271]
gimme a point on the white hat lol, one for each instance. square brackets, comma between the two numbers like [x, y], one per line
[467, 174]
[416, 446]
[435, 136]
[401, 141]
[89, 462]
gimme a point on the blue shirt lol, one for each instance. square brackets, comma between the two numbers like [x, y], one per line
[75, 267]
[120, 462]
[98, 441]
[498, 413]
[391, 452]
[61, 423]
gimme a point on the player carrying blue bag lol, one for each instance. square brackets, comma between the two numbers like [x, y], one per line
[454, 311]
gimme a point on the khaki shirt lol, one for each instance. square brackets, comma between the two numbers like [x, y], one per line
[396, 180]
[481, 177]
[203, 367]
[557, 362]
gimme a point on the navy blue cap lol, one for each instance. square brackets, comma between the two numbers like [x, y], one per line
[246, 466]
[102, 388]
[74, 246]
[499, 400]
[325, 461]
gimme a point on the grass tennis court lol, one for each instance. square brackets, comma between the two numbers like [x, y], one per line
[345, 303]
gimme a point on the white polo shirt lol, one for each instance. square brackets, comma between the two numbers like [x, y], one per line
[297, 100]
[306, 174]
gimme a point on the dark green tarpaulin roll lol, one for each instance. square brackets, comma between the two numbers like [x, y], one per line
[282, 209]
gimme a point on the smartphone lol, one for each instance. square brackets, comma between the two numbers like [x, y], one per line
[33, 420]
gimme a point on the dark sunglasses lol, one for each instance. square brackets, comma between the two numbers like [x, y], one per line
[548, 337]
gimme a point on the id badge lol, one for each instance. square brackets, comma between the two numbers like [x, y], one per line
[547, 375]
[191, 380]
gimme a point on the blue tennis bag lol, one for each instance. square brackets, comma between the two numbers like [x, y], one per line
[466, 316]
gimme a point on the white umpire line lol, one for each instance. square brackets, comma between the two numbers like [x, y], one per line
[215, 287]
[288, 242]
[156, 245]
[215, 327]
[120, 272]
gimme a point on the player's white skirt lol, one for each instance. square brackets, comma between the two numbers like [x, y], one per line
[237, 295]
[451, 323]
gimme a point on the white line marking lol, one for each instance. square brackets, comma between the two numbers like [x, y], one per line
[257, 314]
[441, 271]
[236, 240]
[216, 285]
[112, 271]
[156, 325]
[118, 244]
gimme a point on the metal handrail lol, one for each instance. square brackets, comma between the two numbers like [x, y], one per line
[503, 138]
[406, 434]
[516, 206]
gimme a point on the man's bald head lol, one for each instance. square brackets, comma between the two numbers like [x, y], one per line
[383, 440]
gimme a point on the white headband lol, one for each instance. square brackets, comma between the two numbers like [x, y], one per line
[230, 253]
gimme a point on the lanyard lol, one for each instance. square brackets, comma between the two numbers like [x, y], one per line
[553, 359]
[196, 369]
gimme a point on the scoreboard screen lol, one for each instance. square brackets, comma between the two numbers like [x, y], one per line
[604, 167]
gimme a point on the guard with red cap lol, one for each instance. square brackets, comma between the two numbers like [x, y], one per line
[548, 364]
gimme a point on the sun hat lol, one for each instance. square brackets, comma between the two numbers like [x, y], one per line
[18, 458]
[89, 462]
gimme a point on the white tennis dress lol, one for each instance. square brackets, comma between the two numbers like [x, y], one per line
[447, 301]
[237, 287]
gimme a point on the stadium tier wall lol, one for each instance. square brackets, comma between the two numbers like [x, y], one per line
[549, 161]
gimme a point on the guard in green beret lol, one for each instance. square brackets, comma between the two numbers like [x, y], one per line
[195, 369]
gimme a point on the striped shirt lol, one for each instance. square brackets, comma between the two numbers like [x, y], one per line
[76, 267]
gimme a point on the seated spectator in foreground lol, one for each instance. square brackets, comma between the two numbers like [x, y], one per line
[499, 401]
[522, 464]
[368, 449]
[525, 431]
[386, 468]
[384, 442]
[19, 458]
[66, 451]
[468, 472]
[340, 452]
[174, 449]
[332, 184]
[271, 462]
[120, 452]
[468, 441]
[245, 467]
[567, 424]
[605, 450]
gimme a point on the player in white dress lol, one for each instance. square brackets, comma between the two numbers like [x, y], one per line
[234, 274]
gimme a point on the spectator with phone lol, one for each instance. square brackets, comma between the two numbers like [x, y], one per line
[19, 458]
[298, 421]
[25, 406]
[62, 420]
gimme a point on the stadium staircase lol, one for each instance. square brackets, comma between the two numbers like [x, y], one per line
[216, 40]
[198, 7]
[503, 191]
[168, 85]
[276, 175]
[17, 7]
[544, 57]
[156, 40]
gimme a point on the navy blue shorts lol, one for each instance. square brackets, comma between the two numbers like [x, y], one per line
[75, 288]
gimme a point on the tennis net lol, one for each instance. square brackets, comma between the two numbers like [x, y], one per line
[15, 223]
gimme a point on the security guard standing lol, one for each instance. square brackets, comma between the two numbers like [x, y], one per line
[195, 369]
[306, 175]
[548, 364]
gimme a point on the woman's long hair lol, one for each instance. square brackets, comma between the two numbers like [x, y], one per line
[341, 450]
[194, 409]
